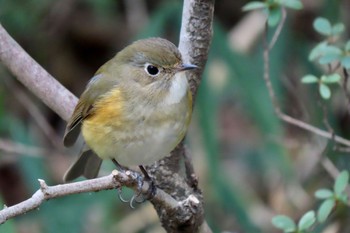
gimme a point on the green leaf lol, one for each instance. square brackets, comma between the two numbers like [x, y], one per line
[329, 53]
[254, 6]
[323, 26]
[328, 58]
[324, 90]
[343, 198]
[294, 4]
[307, 220]
[331, 49]
[317, 51]
[345, 62]
[274, 16]
[323, 193]
[338, 29]
[325, 210]
[341, 182]
[284, 223]
[332, 78]
[309, 79]
[347, 46]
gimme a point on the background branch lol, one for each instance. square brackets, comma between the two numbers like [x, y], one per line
[326, 163]
[277, 108]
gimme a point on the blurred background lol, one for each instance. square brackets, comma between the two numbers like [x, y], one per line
[250, 165]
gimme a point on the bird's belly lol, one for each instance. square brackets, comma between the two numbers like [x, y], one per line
[150, 145]
[138, 145]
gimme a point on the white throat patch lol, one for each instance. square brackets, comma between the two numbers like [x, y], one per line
[178, 89]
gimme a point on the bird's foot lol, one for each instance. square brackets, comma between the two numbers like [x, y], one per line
[138, 197]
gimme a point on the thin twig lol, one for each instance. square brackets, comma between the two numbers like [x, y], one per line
[285, 117]
[34, 111]
[313, 129]
[267, 79]
[345, 88]
[343, 149]
[19, 148]
[326, 163]
[325, 118]
[329, 167]
[279, 28]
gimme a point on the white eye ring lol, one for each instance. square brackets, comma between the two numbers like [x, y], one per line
[152, 70]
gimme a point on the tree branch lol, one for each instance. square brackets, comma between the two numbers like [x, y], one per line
[195, 36]
[114, 180]
[34, 77]
[11, 147]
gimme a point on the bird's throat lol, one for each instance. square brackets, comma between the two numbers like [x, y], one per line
[177, 89]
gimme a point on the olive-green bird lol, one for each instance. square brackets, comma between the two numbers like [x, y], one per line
[135, 110]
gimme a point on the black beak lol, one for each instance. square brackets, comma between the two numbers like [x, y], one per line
[184, 67]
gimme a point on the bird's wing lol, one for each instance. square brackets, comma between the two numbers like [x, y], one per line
[99, 85]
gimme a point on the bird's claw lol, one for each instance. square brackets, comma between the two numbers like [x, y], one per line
[120, 195]
[138, 197]
[135, 197]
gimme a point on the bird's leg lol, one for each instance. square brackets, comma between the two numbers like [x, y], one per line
[150, 192]
[152, 187]
[119, 167]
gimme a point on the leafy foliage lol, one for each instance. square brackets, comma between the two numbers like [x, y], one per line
[322, 82]
[326, 53]
[284, 223]
[331, 199]
[273, 8]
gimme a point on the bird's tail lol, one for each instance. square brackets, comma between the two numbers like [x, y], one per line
[88, 165]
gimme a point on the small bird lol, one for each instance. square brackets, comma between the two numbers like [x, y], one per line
[134, 111]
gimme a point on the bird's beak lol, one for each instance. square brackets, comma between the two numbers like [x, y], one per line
[184, 67]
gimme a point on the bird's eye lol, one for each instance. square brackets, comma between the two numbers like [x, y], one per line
[152, 70]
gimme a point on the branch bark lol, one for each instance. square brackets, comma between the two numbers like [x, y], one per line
[195, 36]
[178, 204]
[34, 77]
[114, 180]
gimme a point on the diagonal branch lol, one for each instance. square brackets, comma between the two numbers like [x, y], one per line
[114, 180]
[34, 77]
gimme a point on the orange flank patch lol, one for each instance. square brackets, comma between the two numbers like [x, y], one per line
[108, 110]
[105, 119]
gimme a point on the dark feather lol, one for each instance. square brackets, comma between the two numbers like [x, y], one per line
[87, 165]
